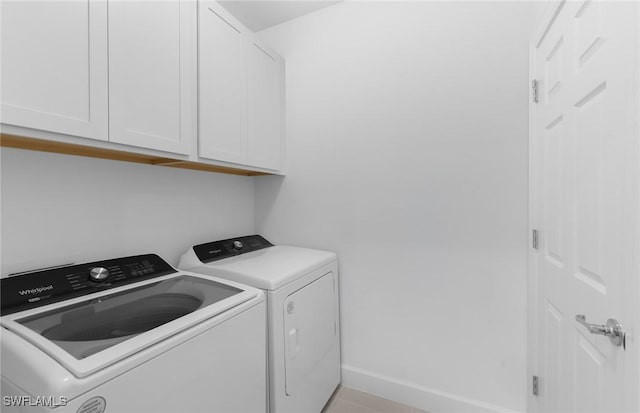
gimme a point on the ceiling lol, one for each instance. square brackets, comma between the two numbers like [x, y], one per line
[259, 15]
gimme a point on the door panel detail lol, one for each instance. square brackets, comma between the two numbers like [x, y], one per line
[310, 329]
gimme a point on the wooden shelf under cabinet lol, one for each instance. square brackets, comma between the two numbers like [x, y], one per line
[12, 141]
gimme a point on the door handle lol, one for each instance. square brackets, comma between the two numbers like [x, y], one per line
[613, 330]
[294, 345]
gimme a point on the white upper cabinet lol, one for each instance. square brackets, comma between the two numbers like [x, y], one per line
[178, 76]
[54, 66]
[240, 93]
[265, 107]
[222, 133]
[152, 74]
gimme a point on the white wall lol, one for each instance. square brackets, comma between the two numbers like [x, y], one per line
[58, 209]
[407, 147]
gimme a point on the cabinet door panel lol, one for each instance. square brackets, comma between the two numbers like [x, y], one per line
[150, 62]
[54, 66]
[265, 106]
[222, 86]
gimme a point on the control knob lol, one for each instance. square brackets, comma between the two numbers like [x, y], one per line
[98, 274]
[237, 245]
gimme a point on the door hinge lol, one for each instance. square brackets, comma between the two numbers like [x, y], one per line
[534, 94]
[534, 238]
[534, 385]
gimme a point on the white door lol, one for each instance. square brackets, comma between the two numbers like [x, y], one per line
[265, 108]
[311, 330]
[222, 74]
[585, 206]
[152, 71]
[54, 66]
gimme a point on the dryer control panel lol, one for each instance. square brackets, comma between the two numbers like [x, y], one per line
[217, 250]
[35, 289]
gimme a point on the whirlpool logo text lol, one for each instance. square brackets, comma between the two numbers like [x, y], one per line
[36, 290]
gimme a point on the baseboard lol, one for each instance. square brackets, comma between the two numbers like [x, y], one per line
[432, 400]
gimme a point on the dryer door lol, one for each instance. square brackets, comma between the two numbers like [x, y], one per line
[310, 330]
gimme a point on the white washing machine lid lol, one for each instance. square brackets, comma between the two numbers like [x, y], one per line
[269, 268]
[89, 333]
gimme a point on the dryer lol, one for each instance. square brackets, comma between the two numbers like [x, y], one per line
[303, 320]
[131, 334]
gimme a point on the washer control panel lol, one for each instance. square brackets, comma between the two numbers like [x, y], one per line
[38, 288]
[217, 250]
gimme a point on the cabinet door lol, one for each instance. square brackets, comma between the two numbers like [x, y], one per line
[265, 108]
[152, 68]
[222, 86]
[54, 66]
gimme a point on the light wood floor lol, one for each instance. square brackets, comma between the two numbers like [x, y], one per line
[347, 400]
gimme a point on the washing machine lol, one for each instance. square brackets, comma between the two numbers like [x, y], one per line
[301, 286]
[131, 334]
